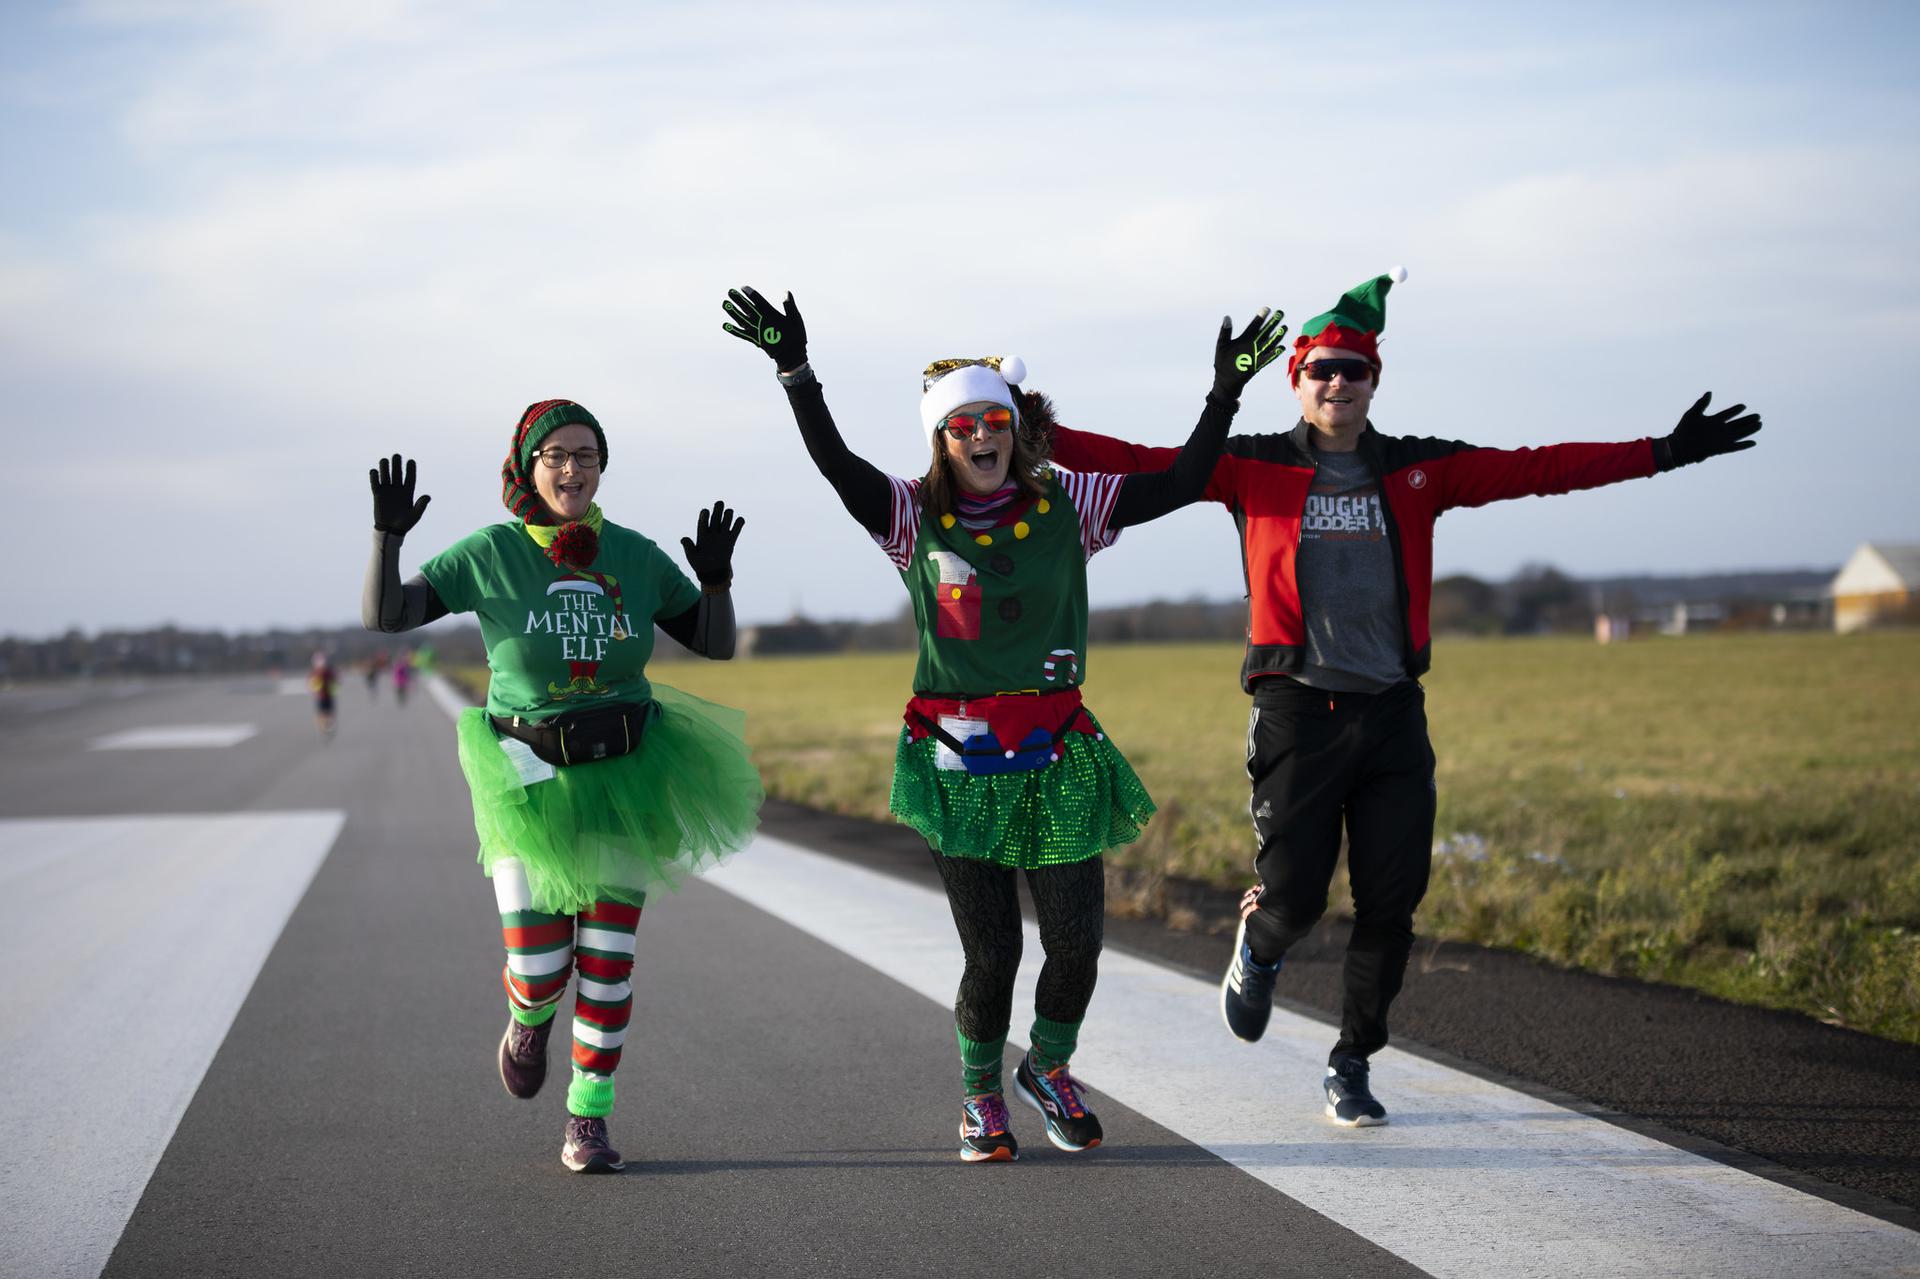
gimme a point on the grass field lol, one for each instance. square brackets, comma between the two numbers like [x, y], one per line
[1739, 814]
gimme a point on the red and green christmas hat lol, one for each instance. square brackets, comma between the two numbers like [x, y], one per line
[1354, 324]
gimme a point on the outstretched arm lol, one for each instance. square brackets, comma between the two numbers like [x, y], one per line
[387, 603]
[780, 332]
[1150, 494]
[1472, 477]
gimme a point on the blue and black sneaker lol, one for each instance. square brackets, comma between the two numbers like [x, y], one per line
[1246, 992]
[1350, 1103]
[1056, 1094]
[986, 1134]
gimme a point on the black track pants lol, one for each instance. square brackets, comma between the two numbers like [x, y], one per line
[1070, 903]
[1318, 760]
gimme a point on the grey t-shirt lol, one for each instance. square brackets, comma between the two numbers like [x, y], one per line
[1348, 597]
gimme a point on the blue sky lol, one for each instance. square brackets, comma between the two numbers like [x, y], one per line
[260, 244]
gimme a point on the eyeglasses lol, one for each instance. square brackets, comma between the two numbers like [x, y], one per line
[1324, 370]
[961, 426]
[556, 457]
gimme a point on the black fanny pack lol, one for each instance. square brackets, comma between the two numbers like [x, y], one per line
[580, 737]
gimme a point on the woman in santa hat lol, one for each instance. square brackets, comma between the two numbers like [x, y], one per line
[999, 765]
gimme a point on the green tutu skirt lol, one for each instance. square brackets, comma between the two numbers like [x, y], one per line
[1088, 801]
[617, 828]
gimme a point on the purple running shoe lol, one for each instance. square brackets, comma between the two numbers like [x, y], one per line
[523, 1056]
[587, 1148]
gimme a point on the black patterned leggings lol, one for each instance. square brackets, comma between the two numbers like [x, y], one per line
[1071, 905]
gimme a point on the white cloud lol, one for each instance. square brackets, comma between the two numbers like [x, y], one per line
[349, 228]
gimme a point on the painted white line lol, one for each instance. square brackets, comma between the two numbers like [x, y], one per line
[1469, 1179]
[445, 695]
[176, 737]
[293, 686]
[146, 935]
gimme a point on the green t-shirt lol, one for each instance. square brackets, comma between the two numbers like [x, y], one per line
[553, 641]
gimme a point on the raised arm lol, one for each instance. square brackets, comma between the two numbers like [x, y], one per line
[707, 627]
[1147, 495]
[780, 332]
[387, 603]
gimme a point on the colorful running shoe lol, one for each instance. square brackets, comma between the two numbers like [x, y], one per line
[523, 1056]
[1246, 992]
[1350, 1103]
[1056, 1095]
[587, 1149]
[986, 1134]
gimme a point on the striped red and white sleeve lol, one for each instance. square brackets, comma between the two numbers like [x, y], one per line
[1093, 496]
[903, 522]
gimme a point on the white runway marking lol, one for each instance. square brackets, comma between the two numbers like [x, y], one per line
[172, 737]
[144, 935]
[1469, 1179]
[445, 695]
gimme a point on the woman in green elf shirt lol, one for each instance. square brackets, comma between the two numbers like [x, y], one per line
[591, 785]
[1000, 765]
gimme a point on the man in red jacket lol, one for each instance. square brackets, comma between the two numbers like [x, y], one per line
[1336, 525]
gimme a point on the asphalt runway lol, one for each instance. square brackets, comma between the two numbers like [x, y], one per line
[787, 1100]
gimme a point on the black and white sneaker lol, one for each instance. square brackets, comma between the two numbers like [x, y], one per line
[1056, 1094]
[1350, 1103]
[1246, 992]
[986, 1134]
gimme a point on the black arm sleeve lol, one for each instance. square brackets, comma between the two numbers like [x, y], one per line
[387, 603]
[706, 628]
[1148, 495]
[863, 490]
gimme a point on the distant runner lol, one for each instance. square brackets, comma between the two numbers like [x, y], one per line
[402, 676]
[373, 669]
[1000, 766]
[591, 785]
[1336, 525]
[322, 678]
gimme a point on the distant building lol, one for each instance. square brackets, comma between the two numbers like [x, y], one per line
[1880, 583]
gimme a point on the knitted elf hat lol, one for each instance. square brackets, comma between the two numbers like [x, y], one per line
[947, 384]
[1354, 324]
[516, 474]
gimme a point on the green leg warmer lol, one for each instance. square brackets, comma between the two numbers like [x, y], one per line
[590, 1096]
[980, 1063]
[1053, 1043]
[531, 1016]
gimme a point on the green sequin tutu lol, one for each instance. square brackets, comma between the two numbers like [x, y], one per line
[615, 829]
[1088, 801]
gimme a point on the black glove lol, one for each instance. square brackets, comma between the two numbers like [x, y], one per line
[394, 510]
[1702, 435]
[780, 333]
[1237, 359]
[710, 549]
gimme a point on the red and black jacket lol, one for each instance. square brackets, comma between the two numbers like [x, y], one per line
[1264, 481]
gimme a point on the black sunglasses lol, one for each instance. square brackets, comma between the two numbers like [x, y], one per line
[1323, 370]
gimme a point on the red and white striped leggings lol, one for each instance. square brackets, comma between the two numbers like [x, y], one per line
[543, 951]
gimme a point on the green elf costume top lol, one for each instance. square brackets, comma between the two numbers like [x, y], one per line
[999, 758]
[567, 614]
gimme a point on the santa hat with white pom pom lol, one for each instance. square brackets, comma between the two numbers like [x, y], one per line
[947, 384]
[1354, 324]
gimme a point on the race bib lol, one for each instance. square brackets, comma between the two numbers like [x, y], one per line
[960, 730]
[529, 765]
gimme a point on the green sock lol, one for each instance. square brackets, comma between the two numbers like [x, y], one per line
[532, 1016]
[980, 1062]
[1053, 1043]
[590, 1096]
